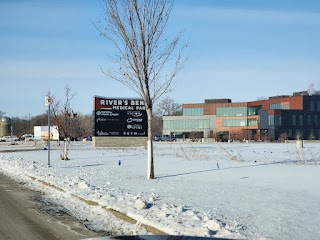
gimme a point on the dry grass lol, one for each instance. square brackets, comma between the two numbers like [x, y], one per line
[192, 153]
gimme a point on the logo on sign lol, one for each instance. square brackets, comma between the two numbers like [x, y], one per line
[129, 120]
[135, 113]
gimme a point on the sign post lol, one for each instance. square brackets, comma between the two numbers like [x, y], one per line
[48, 101]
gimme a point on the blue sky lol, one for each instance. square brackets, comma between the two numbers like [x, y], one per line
[237, 49]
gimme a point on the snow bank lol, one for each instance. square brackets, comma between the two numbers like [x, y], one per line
[252, 191]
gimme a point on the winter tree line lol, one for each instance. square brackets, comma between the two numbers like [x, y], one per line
[79, 125]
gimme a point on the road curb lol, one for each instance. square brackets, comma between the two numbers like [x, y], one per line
[114, 212]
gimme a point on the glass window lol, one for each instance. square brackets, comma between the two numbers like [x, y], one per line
[186, 124]
[318, 106]
[193, 111]
[301, 120]
[229, 123]
[277, 120]
[309, 120]
[312, 106]
[274, 120]
[294, 120]
[252, 122]
[275, 106]
[236, 111]
[271, 120]
[239, 122]
[315, 120]
[283, 105]
[252, 111]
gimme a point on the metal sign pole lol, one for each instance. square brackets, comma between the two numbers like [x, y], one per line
[48, 101]
[49, 135]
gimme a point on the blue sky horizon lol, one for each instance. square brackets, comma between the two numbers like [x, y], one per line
[242, 50]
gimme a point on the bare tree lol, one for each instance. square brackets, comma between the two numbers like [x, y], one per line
[39, 120]
[167, 107]
[312, 135]
[299, 134]
[2, 113]
[157, 125]
[63, 116]
[143, 54]
[20, 126]
[85, 125]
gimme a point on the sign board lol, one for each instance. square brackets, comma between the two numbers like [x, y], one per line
[41, 133]
[115, 117]
[48, 101]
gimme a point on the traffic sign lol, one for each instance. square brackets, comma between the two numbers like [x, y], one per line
[48, 101]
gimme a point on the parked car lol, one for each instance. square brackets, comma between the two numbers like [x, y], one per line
[89, 138]
[165, 138]
[9, 138]
[27, 137]
[156, 138]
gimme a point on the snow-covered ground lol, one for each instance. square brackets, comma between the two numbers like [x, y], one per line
[237, 190]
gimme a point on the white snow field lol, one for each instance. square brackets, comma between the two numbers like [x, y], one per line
[236, 190]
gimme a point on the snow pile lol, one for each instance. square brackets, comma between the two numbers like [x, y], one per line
[238, 190]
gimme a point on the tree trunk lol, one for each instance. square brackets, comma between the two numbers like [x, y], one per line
[150, 145]
[65, 151]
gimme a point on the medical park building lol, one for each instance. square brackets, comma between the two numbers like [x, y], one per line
[286, 117]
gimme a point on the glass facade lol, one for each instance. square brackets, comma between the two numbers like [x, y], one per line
[290, 133]
[234, 122]
[300, 120]
[186, 124]
[240, 122]
[309, 120]
[283, 105]
[312, 106]
[236, 111]
[274, 120]
[193, 111]
[275, 106]
[252, 122]
[294, 120]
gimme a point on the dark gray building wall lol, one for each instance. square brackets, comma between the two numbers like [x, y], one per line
[263, 119]
[309, 127]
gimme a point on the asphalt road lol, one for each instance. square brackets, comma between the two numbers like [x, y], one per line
[23, 217]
